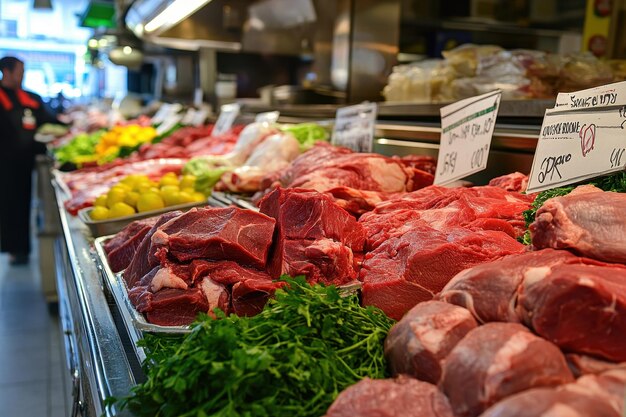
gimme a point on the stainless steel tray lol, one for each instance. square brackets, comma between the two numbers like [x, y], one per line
[109, 227]
[234, 199]
[135, 323]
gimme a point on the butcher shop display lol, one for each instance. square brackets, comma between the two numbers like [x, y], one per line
[464, 301]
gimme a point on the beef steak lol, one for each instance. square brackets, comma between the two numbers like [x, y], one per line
[417, 344]
[400, 397]
[122, 247]
[587, 221]
[228, 233]
[413, 267]
[496, 360]
[581, 308]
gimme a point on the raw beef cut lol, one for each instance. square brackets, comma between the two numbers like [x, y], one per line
[496, 360]
[478, 208]
[225, 272]
[306, 214]
[321, 260]
[169, 307]
[122, 247]
[413, 267]
[609, 386]
[325, 168]
[418, 343]
[580, 308]
[250, 296]
[489, 290]
[549, 402]
[587, 221]
[400, 397]
[515, 181]
[228, 233]
[143, 261]
[217, 295]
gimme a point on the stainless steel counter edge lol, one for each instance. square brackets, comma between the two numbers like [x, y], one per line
[108, 369]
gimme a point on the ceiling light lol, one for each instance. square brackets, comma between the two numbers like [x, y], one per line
[127, 50]
[174, 13]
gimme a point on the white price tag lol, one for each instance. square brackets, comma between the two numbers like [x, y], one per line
[267, 117]
[354, 127]
[188, 117]
[162, 113]
[168, 123]
[200, 117]
[228, 114]
[583, 137]
[466, 131]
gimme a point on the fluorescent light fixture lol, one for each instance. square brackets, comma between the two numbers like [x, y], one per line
[174, 13]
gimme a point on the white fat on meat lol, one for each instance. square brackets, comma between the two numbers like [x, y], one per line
[159, 238]
[164, 278]
[503, 360]
[534, 275]
[390, 176]
[431, 336]
[212, 291]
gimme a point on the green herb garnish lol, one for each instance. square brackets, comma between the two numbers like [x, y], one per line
[292, 359]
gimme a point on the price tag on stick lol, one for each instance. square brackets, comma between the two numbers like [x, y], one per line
[354, 127]
[583, 137]
[228, 114]
[268, 117]
[466, 131]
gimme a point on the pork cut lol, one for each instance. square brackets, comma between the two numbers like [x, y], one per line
[122, 247]
[400, 397]
[496, 360]
[550, 402]
[489, 290]
[417, 344]
[412, 268]
[580, 308]
[143, 261]
[228, 233]
[588, 221]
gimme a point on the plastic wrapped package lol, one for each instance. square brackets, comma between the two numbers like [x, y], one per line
[466, 60]
[581, 71]
[417, 82]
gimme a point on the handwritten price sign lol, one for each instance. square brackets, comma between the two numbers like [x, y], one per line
[228, 114]
[354, 127]
[466, 131]
[582, 137]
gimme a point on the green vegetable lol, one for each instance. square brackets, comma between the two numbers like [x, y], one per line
[614, 182]
[83, 144]
[206, 173]
[307, 134]
[292, 359]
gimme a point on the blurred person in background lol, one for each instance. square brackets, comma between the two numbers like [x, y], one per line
[21, 113]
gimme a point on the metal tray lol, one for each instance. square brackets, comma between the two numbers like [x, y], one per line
[235, 199]
[134, 322]
[109, 227]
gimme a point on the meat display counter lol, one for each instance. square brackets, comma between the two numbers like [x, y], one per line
[100, 360]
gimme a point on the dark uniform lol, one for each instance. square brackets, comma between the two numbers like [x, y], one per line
[21, 113]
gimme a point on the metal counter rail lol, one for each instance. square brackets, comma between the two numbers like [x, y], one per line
[103, 360]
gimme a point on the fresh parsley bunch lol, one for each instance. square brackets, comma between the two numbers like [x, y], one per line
[292, 359]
